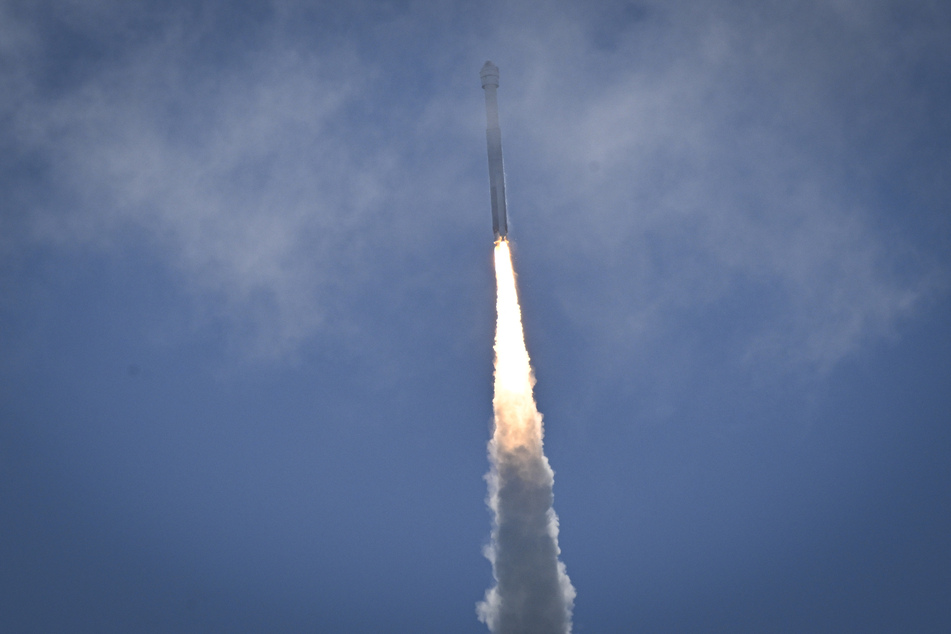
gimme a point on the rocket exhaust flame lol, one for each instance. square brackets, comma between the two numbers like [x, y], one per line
[532, 593]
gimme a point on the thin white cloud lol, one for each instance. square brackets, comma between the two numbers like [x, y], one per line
[717, 154]
[243, 177]
[677, 159]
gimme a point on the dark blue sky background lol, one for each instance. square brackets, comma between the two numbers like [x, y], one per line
[247, 304]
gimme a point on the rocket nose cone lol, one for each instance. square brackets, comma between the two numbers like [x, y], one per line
[489, 74]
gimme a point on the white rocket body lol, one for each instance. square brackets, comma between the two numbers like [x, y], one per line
[493, 137]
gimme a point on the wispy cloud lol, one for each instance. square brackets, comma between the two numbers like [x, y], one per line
[722, 158]
[676, 160]
[243, 176]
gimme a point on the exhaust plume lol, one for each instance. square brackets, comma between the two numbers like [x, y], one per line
[532, 594]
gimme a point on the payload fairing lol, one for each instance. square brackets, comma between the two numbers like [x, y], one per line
[493, 137]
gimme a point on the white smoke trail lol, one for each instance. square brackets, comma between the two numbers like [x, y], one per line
[533, 594]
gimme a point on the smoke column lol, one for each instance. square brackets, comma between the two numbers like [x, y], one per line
[533, 594]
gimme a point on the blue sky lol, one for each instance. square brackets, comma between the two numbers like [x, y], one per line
[246, 311]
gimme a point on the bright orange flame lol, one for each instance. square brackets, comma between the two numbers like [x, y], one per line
[517, 421]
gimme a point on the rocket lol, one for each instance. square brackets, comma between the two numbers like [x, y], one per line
[493, 138]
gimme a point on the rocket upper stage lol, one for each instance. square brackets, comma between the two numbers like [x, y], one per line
[493, 137]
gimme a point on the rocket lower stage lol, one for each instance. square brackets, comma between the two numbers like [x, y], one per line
[493, 137]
